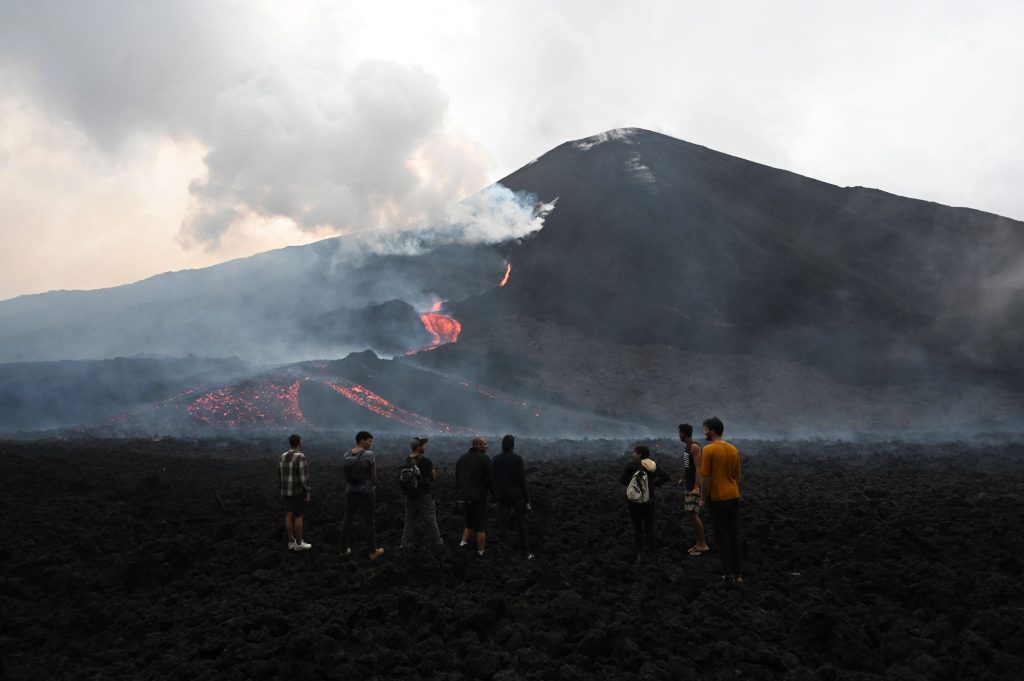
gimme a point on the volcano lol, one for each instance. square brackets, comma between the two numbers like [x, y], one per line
[669, 283]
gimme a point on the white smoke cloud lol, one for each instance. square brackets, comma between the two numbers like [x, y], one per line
[295, 128]
[492, 216]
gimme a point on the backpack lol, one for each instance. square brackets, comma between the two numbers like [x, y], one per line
[356, 471]
[637, 490]
[409, 477]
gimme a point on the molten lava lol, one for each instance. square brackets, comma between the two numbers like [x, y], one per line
[377, 404]
[442, 328]
[508, 273]
[265, 404]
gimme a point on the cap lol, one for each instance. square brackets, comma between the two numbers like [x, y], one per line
[417, 441]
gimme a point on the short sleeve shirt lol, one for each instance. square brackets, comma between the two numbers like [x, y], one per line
[721, 463]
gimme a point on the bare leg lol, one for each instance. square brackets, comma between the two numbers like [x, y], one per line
[701, 543]
[289, 525]
[465, 536]
[481, 541]
[297, 523]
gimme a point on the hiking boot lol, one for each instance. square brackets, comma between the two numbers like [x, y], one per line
[376, 554]
[302, 546]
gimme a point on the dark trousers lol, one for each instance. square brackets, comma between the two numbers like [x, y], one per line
[358, 506]
[725, 519]
[643, 525]
[420, 508]
[509, 512]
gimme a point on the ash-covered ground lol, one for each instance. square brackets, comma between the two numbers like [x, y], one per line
[167, 559]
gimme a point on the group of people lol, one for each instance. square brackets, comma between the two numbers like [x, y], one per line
[477, 479]
[710, 480]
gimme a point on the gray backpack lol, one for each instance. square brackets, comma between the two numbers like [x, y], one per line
[637, 491]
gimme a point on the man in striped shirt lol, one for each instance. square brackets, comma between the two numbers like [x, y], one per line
[293, 475]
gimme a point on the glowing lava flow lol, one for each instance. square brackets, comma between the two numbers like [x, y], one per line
[264, 404]
[378, 405]
[508, 273]
[441, 327]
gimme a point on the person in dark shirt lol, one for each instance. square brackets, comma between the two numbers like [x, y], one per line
[511, 493]
[420, 506]
[360, 469]
[642, 514]
[474, 481]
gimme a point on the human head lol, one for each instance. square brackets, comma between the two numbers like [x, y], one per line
[508, 443]
[294, 440]
[480, 443]
[362, 436]
[417, 444]
[714, 426]
[641, 451]
[685, 430]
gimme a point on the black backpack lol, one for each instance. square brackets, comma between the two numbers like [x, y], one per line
[357, 471]
[409, 477]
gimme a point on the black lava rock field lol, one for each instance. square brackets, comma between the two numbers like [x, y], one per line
[166, 559]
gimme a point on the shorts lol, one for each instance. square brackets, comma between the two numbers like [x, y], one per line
[476, 512]
[295, 505]
[691, 502]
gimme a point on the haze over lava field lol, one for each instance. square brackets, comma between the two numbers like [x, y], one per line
[659, 278]
[167, 559]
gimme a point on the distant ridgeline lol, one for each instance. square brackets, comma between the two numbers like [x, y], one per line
[670, 282]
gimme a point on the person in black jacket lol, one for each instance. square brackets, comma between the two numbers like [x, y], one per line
[511, 493]
[474, 481]
[642, 513]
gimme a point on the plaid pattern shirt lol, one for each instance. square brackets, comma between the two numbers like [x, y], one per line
[293, 473]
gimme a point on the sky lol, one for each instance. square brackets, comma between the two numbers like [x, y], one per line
[138, 137]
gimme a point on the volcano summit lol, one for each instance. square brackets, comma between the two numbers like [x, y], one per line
[669, 280]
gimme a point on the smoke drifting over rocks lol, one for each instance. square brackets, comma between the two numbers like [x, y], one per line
[671, 282]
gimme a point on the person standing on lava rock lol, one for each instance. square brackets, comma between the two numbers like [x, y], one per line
[361, 477]
[719, 483]
[293, 476]
[419, 503]
[511, 493]
[641, 475]
[474, 480]
[692, 500]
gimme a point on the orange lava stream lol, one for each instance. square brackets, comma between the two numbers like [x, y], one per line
[264, 404]
[377, 404]
[508, 273]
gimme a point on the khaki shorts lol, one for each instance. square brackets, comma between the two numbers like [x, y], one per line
[691, 502]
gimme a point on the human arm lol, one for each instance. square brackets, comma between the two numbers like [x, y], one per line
[705, 476]
[304, 476]
[522, 480]
[698, 457]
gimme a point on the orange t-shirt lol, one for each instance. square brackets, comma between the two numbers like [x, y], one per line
[722, 464]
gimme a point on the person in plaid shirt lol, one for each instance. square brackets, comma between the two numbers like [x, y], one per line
[293, 474]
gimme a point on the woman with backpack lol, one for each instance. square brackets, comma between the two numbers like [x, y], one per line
[640, 476]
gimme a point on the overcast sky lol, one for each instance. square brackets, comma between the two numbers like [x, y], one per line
[138, 137]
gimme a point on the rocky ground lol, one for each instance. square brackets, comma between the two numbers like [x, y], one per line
[166, 559]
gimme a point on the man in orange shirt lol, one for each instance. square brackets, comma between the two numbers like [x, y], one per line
[719, 484]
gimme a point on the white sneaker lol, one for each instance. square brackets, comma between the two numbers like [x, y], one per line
[291, 544]
[302, 546]
[529, 556]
